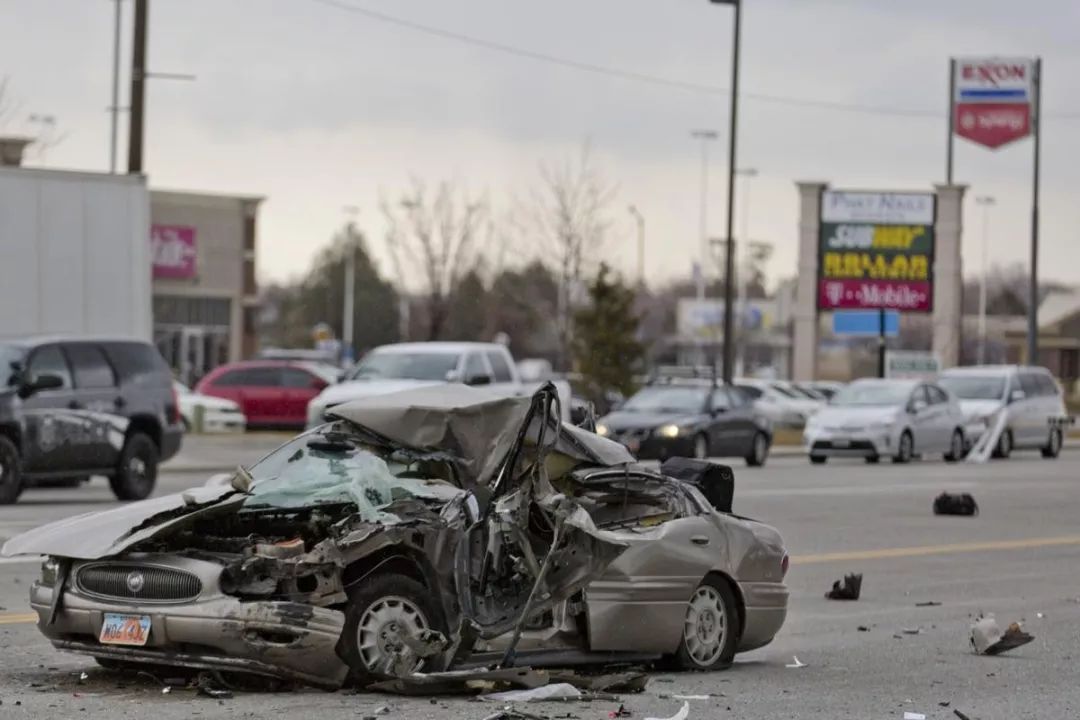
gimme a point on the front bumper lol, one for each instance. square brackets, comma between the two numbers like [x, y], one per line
[223, 422]
[278, 639]
[848, 443]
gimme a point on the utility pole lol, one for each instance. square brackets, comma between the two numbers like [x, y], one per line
[743, 266]
[640, 244]
[986, 202]
[114, 109]
[729, 258]
[705, 136]
[138, 88]
[349, 309]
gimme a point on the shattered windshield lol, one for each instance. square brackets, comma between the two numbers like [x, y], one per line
[974, 387]
[11, 358]
[328, 468]
[867, 394]
[405, 366]
[668, 400]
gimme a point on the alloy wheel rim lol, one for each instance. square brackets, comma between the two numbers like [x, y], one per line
[382, 628]
[137, 469]
[705, 629]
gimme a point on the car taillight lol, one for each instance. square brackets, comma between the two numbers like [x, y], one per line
[784, 565]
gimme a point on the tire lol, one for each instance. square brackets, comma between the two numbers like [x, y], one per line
[399, 599]
[1053, 447]
[136, 472]
[701, 446]
[11, 483]
[711, 628]
[1004, 446]
[956, 447]
[905, 450]
[818, 459]
[873, 459]
[759, 450]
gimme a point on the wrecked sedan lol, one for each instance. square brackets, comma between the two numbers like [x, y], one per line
[419, 531]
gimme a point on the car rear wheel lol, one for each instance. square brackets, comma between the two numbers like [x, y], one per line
[1004, 446]
[11, 485]
[956, 447]
[381, 614]
[701, 447]
[759, 451]
[136, 473]
[818, 459]
[1053, 446]
[711, 628]
[873, 459]
[905, 450]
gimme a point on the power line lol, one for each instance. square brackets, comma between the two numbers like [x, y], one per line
[635, 76]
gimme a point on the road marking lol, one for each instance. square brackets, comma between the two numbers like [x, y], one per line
[17, 618]
[923, 550]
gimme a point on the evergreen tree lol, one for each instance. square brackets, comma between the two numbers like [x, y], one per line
[605, 345]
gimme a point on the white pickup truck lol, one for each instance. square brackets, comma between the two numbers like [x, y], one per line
[404, 366]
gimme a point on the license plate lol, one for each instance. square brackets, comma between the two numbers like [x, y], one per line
[841, 443]
[125, 629]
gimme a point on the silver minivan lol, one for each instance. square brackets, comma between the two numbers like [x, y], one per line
[1031, 399]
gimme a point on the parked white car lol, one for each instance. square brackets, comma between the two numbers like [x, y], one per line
[404, 366]
[778, 401]
[824, 388]
[218, 414]
[900, 419]
[1030, 398]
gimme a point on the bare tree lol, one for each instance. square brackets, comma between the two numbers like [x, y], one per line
[435, 239]
[567, 214]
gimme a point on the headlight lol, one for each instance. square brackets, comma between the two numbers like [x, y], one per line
[602, 430]
[49, 569]
[668, 431]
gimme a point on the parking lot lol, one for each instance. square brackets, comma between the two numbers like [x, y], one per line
[1015, 559]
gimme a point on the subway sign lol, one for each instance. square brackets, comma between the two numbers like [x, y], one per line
[876, 251]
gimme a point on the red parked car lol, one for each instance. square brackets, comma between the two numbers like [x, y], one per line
[272, 393]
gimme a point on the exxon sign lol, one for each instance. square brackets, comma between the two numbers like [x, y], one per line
[993, 99]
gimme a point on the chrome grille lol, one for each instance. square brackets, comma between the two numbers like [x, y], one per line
[145, 583]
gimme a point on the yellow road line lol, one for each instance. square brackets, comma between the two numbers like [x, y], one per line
[923, 550]
[17, 618]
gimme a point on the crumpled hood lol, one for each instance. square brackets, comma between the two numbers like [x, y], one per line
[978, 409]
[622, 420]
[102, 534]
[832, 416]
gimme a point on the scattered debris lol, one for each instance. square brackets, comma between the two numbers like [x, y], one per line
[987, 638]
[683, 713]
[166, 690]
[632, 681]
[512, 714]
[961, 504]
[1039, 616]
[944, 703]
[554, 691]
[863, 628]
[850, 589]
[462, 682]
[928, 603]
[795, 662]
[210, 686]
[622, 712]
[914, 716]
[960, 715]
[83, 677]
[913, 631]
[691, 697]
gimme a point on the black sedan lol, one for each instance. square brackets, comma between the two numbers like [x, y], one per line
[689, 420]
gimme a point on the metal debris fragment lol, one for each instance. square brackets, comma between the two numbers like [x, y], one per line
[988, 639]
[683, 713]
[555, 691]
[849, 590]
[928, 603]
[795, 662]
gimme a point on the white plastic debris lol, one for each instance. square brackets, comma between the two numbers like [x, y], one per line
[987, 638]
[690, 697]
[795, 662]
[83, 677]
[984, 448]
[683, 713]
[914, 716]
[166, 690]
[554, 691]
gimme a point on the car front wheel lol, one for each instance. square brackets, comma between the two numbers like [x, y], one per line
[383, 612]
[711, 628]
[905, 450]
[11, 485]
[136, 473]
[818, 459]
[1004, 446]
[956, 447]
[759, 451]
[1053, 446]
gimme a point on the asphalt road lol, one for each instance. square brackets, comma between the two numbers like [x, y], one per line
[1017, 559]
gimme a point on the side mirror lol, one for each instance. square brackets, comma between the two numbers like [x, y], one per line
[478, 380]
[341, 375]
[917, 406]
[45, 381]
[1017, 395]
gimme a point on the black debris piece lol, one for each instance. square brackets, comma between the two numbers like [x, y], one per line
[211, 687]
[715, 481]
[864, 628]
[849, 590]
[945, 703]
[958, 504]
[987, 638]
[928, 603]
[622, 712]
[961, 715]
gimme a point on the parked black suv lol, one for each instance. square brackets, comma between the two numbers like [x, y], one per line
[71, 408]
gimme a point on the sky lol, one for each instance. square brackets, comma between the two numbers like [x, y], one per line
[318, 107]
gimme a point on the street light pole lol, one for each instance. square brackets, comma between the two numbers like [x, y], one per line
[703, 212]
[742, 267]
[349, 309]
[640, 244]
[115, 108]
[729, 257]
[986, 202]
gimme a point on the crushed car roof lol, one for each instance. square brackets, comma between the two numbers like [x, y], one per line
[477, 426]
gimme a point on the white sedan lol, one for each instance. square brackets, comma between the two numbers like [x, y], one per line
[218, 414]
[887, 418]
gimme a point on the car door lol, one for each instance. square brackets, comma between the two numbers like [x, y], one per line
[743, 421]
[722, 429]
[922, 423]
[298, 388]
[942, 419]
[51, 431]
[98, 402]
[502, 377]
[1026, 429]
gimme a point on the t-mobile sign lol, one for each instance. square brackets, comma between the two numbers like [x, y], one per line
[173, 249]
